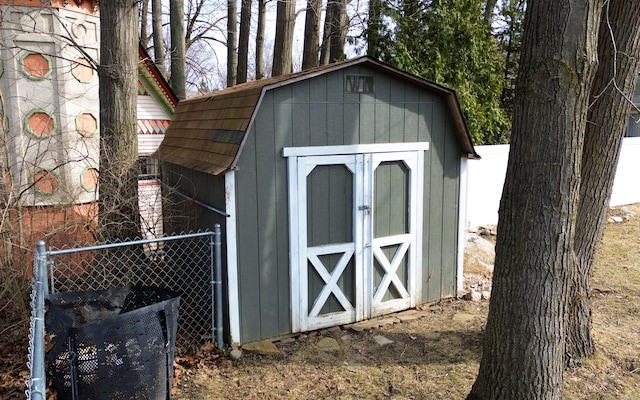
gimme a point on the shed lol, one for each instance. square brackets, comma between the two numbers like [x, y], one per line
[339, 190]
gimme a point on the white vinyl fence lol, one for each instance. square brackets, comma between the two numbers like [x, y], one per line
[485, 179]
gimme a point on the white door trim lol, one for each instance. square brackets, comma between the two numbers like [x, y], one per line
[354, 149]
[360, 160]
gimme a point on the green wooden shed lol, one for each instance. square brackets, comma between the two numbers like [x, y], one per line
[340, 193]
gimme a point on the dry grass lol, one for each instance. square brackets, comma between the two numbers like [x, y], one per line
[437, 356]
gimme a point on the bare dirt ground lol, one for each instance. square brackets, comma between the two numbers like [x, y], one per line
[435, 356]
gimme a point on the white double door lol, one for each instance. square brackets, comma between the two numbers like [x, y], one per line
[355, 225]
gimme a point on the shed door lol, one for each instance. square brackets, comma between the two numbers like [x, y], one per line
[354, 236]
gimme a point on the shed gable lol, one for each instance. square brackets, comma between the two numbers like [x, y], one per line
[190, 140]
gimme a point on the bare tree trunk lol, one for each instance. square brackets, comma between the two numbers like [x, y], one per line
[335, 31]
[144, 23]
[608, 116]
[340, 26]
[243, 47]
[325, 46]
[118, 201]
[283, 46]
[524, 344]
[232, 40]
[262, 10]
[488, 11]
[178, 62]
[311, 34]
[158, 40]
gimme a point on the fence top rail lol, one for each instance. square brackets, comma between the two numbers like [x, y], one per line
[55, 252]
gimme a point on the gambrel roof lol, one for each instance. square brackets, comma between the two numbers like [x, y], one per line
[207, 132]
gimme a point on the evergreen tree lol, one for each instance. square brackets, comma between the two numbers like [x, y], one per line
[450, 43]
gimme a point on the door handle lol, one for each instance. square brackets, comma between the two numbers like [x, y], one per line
[365, 208]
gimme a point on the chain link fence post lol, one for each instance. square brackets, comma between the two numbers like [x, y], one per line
[37, 380]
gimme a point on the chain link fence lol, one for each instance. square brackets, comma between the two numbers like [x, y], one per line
[188, 264]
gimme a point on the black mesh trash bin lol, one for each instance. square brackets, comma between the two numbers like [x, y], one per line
[112, 344]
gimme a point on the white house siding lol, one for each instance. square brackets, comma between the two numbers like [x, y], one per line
[147, 144]
[149, 109]
[152, 122]
[150, 203]
[486, 178]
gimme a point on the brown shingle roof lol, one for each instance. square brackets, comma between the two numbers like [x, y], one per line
[207, 132]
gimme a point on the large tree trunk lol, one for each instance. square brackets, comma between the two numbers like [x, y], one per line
[158, 40]
[118, 72]
[243, 47]
[232, 40]
[523, 349]
[262, 11]
[144, 24]
[311, 34]
[283, 46]
[608, 116]
[335, 31]
[178, 60]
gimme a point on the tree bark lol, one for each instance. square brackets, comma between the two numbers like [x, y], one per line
[158, 39]
[243, 47]
[144, 24]
[262, 11]
[335, 26]
[118, 86]
[232, 40]
[488, 11]
[613, 86]
[338, 37]
[283, 46]
[325, 46]
[523, 348]
[311, 34]
[178, 60]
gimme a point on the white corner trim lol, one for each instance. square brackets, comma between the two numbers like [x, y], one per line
[232, 257]
[353, 149]
[462, 218]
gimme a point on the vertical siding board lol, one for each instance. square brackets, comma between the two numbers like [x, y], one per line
[335, 85]
[317, 109]
[318, 90]
[367, 116]
[436, 204]
[248, 242]
[450, 215]
[381, 128]
[382, 116]
[267, 216]
[411, 113]
[284, 139]
[335, 127]
[426, 133]
[301, 113]
[351, 123]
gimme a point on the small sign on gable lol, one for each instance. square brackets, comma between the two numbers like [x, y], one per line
[359, 84]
